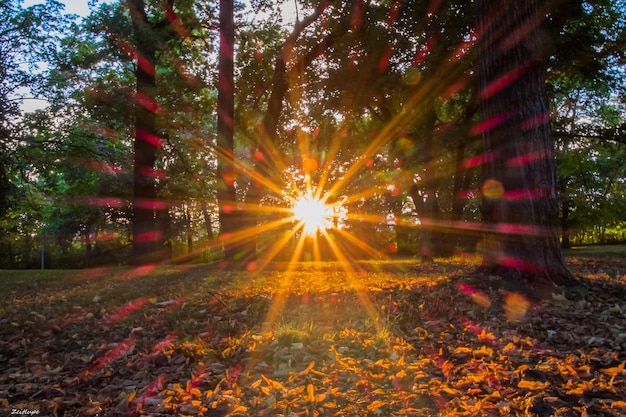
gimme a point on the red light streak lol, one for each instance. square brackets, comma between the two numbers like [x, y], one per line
[149, 138]
[489, 124]
[504, 81]
[123, 348]
[126, 310]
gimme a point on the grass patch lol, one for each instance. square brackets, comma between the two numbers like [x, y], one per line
[287, 333]
[596, 251]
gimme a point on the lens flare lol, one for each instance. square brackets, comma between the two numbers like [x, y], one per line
[313, 214]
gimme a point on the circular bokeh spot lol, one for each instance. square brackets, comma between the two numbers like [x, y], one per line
[492, 189]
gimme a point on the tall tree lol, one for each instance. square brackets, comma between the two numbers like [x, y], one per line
[267, 137]
[152, 33]
[122, 102]
[146, 235]
[226, 172]
[27, 46]
[520, 208]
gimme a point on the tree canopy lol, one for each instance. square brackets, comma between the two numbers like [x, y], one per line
[372, 107]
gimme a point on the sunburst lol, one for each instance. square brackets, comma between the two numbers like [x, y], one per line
[312, 214]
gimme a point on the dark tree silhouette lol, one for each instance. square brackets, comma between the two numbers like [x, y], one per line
[146, 237]
[520, 207]
[226, 192]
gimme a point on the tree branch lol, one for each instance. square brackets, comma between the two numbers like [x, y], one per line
[598, 137]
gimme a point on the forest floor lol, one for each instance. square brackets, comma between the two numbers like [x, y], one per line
[385, 339]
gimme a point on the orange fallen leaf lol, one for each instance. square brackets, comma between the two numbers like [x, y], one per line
[532, 385]
[308, 369]
[310, 390]
[614, 371]
[375, 405]
[515, 306]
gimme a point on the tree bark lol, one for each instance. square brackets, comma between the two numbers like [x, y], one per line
[428, 217]
[146, 235]
[519, 207]
[226, 170]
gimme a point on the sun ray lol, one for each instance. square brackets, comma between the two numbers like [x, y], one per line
[331, 153]
[365, 194]
[364, 298]
[276, 247]
[364, 247]
[310, 211]
[407, 116]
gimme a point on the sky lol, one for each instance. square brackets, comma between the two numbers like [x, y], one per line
[79, 7]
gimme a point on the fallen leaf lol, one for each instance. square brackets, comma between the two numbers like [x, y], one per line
[310, 390]
[532, 385]
[616, 370]
[375, 405]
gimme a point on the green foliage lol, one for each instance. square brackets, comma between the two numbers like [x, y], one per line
[27, 43]
[382, 74]
[586, 82]
[79, 148]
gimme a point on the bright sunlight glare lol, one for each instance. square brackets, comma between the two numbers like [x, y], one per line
[313, 214]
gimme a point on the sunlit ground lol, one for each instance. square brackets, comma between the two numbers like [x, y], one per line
[201, 341]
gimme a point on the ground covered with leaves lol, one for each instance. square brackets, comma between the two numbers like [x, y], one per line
[384, 339]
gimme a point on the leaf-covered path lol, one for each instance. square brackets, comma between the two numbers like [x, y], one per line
[382, 340]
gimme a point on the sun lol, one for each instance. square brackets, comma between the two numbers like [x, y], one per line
[312, 214]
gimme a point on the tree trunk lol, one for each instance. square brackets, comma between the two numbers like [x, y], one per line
[402, 232]
[226, 172]
[519, 207]
[146, 236]
[565, 233]
[208, 227]
[188, 226]
[429, 215]
[88, 248]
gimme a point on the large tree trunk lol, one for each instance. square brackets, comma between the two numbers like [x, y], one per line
[427, 217]
[520, 207]
[226, 172]
[458, 237]
[146, 235]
